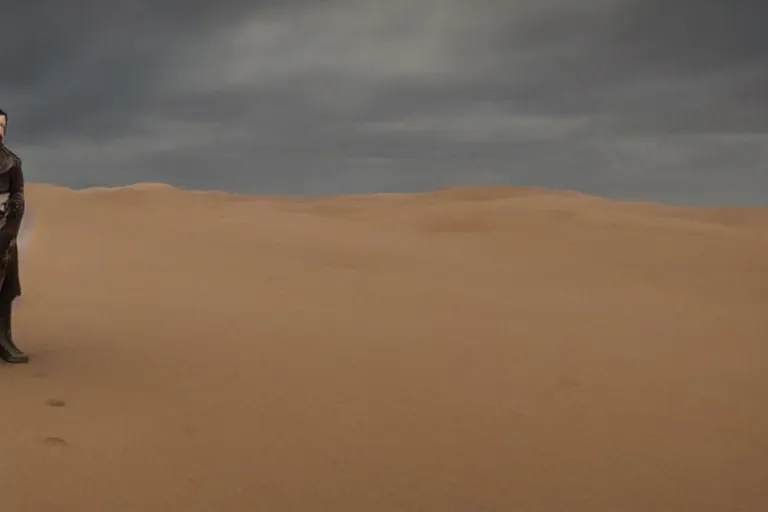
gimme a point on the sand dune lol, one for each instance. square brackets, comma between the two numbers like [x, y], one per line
[469, 349]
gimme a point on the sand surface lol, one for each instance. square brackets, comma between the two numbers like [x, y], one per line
[471, 349]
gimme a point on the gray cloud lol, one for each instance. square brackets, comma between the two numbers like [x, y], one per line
[629, 98]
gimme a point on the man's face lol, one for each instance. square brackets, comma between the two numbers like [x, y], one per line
[3, 124]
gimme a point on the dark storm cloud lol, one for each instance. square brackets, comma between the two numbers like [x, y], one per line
[650, 99]
[80, 66]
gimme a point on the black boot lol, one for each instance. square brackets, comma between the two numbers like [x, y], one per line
[9, 352]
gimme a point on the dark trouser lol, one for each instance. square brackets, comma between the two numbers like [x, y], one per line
[10, 289]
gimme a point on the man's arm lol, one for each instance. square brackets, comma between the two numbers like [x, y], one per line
[14, 207]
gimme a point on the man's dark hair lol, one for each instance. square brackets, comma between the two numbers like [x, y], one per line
[3, 114]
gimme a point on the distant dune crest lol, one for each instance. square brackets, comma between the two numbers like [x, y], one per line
[467, 202]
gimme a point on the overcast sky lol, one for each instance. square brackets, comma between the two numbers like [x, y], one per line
[647, 99]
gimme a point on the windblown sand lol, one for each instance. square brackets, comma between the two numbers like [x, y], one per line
[470, 349]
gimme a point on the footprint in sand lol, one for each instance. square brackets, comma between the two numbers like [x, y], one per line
[57, 442]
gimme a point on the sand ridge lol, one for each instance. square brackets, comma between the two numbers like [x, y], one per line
[471, 348]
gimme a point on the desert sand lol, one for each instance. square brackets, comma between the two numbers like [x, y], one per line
[468, 349]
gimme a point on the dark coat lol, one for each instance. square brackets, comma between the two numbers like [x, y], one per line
[11, 183]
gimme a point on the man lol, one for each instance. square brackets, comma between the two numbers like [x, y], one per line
[11, 183]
